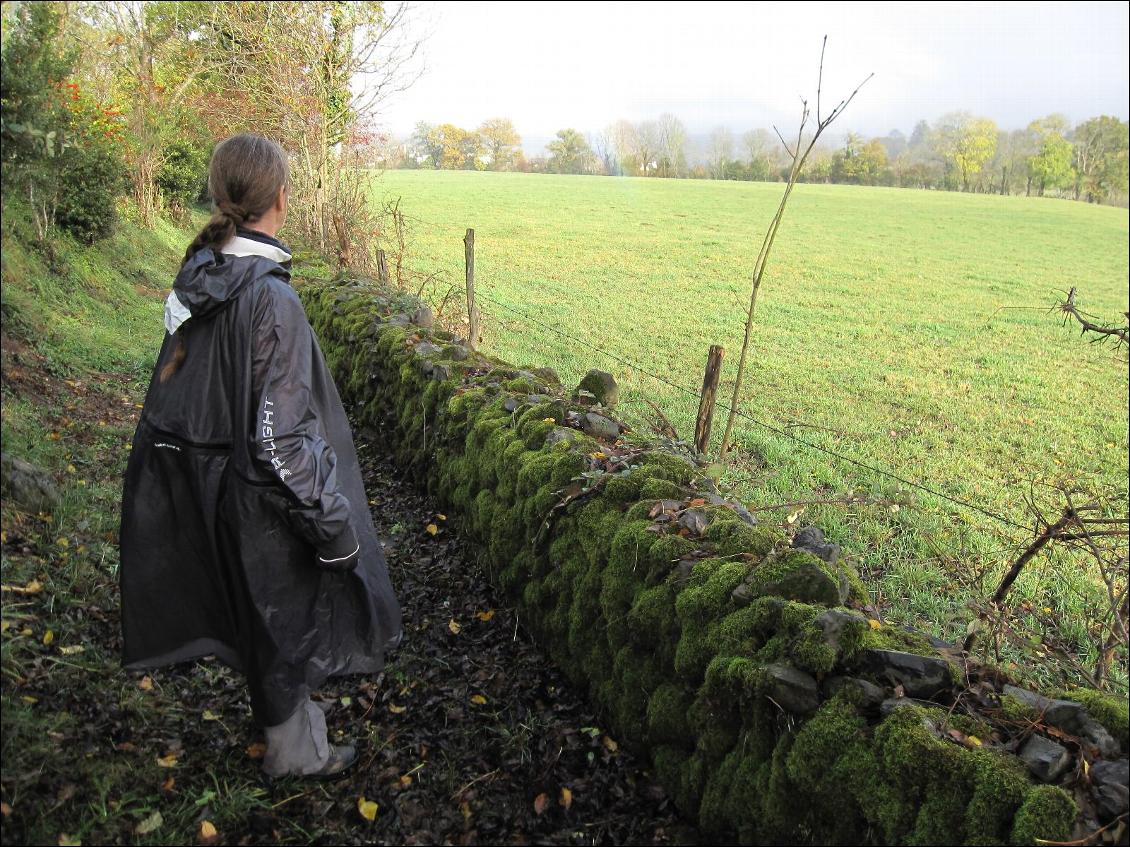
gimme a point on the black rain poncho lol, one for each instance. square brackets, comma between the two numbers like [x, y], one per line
[242, 473]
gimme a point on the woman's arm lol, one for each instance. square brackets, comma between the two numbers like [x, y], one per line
[288, 439]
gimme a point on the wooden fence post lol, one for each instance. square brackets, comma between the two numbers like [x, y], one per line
[706, 400]
[382, 268]
[472, 309]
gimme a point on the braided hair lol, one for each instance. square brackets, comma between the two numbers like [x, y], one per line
[244, 179]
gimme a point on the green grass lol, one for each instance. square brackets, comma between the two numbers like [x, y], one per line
[877, 335]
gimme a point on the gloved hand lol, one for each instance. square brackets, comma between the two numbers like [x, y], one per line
[341, 554]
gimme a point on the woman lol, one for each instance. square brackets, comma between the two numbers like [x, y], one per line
[245, 527]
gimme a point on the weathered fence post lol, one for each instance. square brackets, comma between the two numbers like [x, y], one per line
[706, 400]
[472, 309]
[382, 268]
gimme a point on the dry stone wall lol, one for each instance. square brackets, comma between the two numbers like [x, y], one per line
[735, 659]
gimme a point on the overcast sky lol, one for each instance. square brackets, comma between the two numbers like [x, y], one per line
[584, 65]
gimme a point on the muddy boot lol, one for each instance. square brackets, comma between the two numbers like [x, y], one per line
[299, 747]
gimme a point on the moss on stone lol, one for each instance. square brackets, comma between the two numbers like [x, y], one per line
[1047, 813]
[1112, 712]
[662, 489]
[667, 710]
[732, 536]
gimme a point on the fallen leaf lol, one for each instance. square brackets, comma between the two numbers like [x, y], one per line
[478, 699]
[610, 745]
[208, 833]
[405, 781]
[397, 710]
[540, 802]
[485, 616]
[465, 808]
[698, 501]
[26, 631]
[874, 624]
[145, 683]
[973, 741]
[168, 785]
[71, 649]
[48, 636]
[67, 841]
[367, 808]
[431, 529]
[257, 750]
[150, 824]
[33, 587]
[454, 626]
[31, 701]
[548, 420]
[5, 809]
[209, 715]
[566, 797]
[62, 542]
[169, 761]
[441, 517]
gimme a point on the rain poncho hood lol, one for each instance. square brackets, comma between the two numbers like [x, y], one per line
[241, 477]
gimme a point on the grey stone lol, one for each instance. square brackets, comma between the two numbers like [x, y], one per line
[29, 486]
[457, 352]
[602, 385]
[742, 512]
[811, 540]
[867, 695]
[919, 676]
[791, 689]
[833, 623]
[1045, 759]
[694, 520]
[559, 434]
[426, 348]
[547, 375]
[1112, 789]
[584, 398]
[599, 426]
[511, 403]
[1073, 718]
[423, 317]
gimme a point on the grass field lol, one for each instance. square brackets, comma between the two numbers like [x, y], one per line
[877, 336]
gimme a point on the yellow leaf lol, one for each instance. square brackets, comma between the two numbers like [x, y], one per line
[874, 624]
[256, 750]
[973, 740]
[1047, 610]
[26, 631]
[62, 542]
[167, 785]
[145, 683]
[31, 701]
[207, 831]
[209, 715]
[397, 710]
[485, 616]
[150, 824]
[441, 517]
[33, 587]
[48, 637]
[71, 468]
[71, 649]
[540, 802]
[478, 699]
[3, 539]
[68, 841]
[566, 797]
[367, 808]
[169, 761]
[548, 420]
[405, 781]
[432, 529]
[454, 626]
[597, 455]
[610, 745]
[5, 626]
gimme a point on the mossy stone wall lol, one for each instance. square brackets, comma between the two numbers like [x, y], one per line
[714, 654]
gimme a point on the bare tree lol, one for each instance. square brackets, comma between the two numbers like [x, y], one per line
[720, 152]
[798, 153]
[672, 145]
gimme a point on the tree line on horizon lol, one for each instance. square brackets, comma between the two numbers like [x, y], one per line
[958, 152]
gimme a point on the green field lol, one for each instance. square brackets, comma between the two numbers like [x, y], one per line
[877, 336]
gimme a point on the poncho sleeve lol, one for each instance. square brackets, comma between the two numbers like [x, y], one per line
[289, 439]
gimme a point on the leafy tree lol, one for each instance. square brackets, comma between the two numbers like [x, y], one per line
[1101, 158]
[570, 153]
[967, 144]
[1050, 166]
[501, 143]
